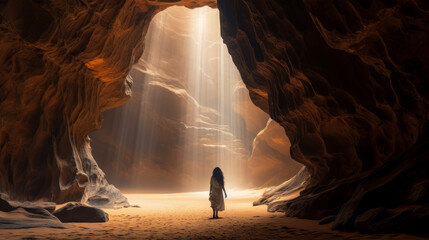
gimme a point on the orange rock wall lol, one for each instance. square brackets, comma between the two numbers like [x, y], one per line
[348, 82]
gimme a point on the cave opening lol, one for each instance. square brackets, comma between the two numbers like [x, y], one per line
[189, 112]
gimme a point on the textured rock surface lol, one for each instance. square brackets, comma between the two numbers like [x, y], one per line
[403, 219]
[24, 218]
[76, 212]
[275, 196]
[346, 79]
[5, 206]
[48, 206]
[348, 82]
[270, 163]
[61, 65]
[14, 215]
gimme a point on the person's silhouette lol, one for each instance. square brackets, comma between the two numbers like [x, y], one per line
[216, 196]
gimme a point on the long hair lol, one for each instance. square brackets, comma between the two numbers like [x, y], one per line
[218, 175]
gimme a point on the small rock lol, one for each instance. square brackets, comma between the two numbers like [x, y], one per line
[131, 206]
[5, 206]
[327, 219]
[77, 212]
[98, 201]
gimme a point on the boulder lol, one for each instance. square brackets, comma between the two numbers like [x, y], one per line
[77, 212]
[20, 218]
[15, 215]
[5, 206]
[327, 219]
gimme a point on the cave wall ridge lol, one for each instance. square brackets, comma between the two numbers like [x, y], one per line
[348, 82]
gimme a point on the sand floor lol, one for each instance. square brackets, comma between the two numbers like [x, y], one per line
[188, 216]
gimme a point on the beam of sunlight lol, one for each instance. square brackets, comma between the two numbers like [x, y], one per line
[213, 132]
[187, 113]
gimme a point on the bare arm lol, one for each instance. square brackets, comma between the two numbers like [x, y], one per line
[224, 191]
[211, 179]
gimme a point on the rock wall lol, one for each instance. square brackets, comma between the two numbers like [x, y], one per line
[346, 79]
[348, 82]
[61, 65]
[270, 163]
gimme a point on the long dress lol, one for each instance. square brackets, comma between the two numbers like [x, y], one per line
[216, 196]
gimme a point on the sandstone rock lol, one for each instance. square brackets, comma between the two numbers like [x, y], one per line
[345, 79]
[15, 215]
[270, 163]
[77, 212]
[289, 189]
[327, 219]
[411, 219]
[98, 201]
[61, 66]
[5, 206]
[48, 206]
[28, 218]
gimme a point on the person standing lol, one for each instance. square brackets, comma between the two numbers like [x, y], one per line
[217, 185]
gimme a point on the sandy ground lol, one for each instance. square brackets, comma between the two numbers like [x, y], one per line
[188, 216]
